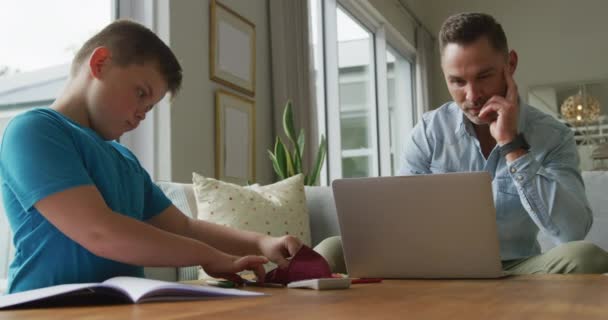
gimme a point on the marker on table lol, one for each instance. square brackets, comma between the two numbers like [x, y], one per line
[220, 283]
[366, 280]
[231, 284]
[263, 284]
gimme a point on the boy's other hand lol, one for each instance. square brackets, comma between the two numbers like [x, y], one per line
[280, 248]
[228, 265]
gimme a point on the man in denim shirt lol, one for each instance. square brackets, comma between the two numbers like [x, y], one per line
[531, 156]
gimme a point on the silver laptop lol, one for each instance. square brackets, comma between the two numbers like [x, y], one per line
[423, 226]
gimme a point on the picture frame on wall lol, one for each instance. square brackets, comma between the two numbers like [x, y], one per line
[232, 49]
[235, 138]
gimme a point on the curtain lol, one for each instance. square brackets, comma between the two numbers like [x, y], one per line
[424, 63]
[291, 57]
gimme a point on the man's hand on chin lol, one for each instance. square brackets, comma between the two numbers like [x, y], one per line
[502, 114]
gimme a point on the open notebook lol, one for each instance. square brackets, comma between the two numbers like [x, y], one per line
[115, 290]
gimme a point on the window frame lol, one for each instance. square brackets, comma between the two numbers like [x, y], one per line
[384, 36]
[8, 112]
[151, 140]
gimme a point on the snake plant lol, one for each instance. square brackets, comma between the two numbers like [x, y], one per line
[287, 163]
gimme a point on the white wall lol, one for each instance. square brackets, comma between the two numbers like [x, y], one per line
[394, 13]
[544, 32]
[557, 40]
[193, 111]
[545, 99]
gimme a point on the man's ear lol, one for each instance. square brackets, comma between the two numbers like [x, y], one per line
[512, 61]
[99, 61]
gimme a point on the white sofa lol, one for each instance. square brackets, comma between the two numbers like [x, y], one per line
[319, 200]
[324, 223]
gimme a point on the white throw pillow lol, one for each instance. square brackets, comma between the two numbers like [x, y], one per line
[277, 209]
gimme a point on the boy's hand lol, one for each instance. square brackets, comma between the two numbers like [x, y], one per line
[279, 249]
[226, 266]
[502, 112]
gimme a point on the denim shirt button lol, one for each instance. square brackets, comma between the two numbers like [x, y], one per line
[520, 178]
[513, 169]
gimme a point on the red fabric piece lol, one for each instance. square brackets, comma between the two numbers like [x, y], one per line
[306, 264]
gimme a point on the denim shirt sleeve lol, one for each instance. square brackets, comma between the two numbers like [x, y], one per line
[417, 152]
[553, 193]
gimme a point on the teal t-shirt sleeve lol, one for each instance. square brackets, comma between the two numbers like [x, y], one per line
[155, 199]
[39, 158]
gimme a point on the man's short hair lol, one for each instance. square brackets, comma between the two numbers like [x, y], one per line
[466, 28]
[130, 42]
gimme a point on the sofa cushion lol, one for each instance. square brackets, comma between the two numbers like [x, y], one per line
[596, 183]
[277, 209]
[322, 211]
[319, 201]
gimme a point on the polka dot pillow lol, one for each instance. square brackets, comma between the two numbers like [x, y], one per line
[277, 209]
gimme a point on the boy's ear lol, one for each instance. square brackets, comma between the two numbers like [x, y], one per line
[99, 61]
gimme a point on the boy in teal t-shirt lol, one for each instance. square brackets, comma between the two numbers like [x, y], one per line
[81, 207]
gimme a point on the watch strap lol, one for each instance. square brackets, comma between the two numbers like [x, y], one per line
[519, 142]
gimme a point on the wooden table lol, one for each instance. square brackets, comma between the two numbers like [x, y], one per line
[530, 297]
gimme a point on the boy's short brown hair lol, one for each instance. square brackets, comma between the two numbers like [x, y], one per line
[465, 28]
[130, 42]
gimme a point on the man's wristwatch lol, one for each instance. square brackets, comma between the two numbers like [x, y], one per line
[518, 143]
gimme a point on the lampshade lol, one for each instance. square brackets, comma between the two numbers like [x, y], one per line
[580, 109]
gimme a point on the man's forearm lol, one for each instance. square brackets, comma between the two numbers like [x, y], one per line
[566, 211]
[559, 211]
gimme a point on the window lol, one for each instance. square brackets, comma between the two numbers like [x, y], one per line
[364, 87]
[356, 97]
[37, 51]
[400, 104]
[38, 43]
